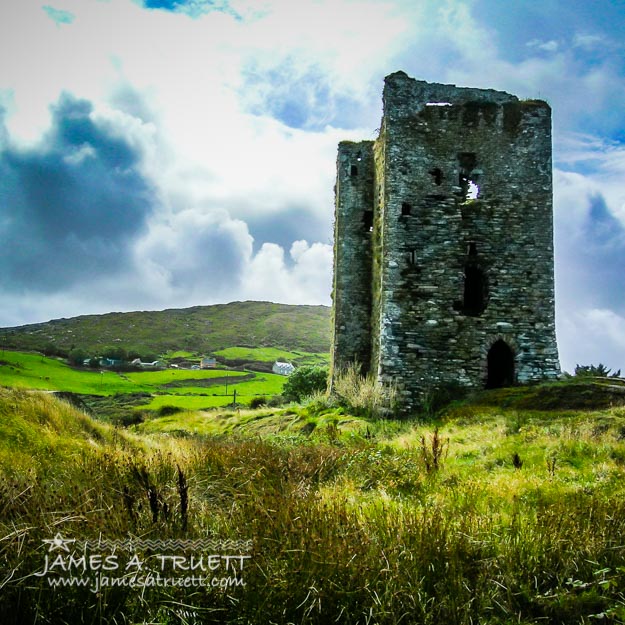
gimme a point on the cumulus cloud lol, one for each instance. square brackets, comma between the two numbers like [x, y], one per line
[305, 282]
[546, 46]
[590, 248]
[584, 40]
[73, 204]
[194, 256]
[197, 165]
[590, 337]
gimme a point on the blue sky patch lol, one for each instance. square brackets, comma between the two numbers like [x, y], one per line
[59, 15]
[192, 8]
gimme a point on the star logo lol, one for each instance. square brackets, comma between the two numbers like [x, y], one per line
[58, 542]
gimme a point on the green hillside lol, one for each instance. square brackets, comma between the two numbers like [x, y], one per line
[489, 514]
[197, 330]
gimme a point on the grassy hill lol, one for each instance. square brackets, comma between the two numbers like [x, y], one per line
[489, 514]
[121, 397]
[197, 330]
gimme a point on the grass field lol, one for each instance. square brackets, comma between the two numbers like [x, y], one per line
[34, 371]
[271, 354]
[185, 389]
[488, 514]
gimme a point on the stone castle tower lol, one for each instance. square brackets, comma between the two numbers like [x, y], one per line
[443, 253]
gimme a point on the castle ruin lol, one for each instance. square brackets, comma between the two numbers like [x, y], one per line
[443, 252]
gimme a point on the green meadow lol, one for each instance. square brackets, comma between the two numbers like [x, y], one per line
[486, 512]
[271, 354]
[184, 389]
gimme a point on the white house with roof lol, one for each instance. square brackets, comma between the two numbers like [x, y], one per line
[282, 368]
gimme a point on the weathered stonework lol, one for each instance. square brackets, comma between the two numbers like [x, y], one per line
[443, 254]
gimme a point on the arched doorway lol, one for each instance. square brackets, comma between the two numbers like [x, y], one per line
[500, 365]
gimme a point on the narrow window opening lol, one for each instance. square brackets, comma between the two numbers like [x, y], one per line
[500, 365]
[359, 156]
[472, 248]
[367, 221]
[353, 170]
[412, 258]
[472, 191]
[406, 209]
[437, 175]
[475, 291]
[467, 179]
[469, 188]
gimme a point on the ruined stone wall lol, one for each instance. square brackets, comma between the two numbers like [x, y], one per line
[353, 231]
[451, 275]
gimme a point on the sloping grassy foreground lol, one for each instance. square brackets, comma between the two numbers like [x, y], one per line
[349, 521]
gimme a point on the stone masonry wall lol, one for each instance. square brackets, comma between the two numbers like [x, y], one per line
[353, 231]
[456, 279]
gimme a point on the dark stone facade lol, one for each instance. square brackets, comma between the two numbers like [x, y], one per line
[443, 253]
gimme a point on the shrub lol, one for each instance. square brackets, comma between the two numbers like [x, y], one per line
[363, 394]
[318, 403]
[305, 381]
[166, 411]
[77, 356]
[276, 401]
[130, 418]
[257, 402]
[598, 371]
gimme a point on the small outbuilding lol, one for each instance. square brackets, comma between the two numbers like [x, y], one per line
[282, 368]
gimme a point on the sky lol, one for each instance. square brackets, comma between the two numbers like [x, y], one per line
[170, 153]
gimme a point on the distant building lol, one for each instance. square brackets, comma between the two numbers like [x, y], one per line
[283, 368]
[146, 365]
[111, 362]
[208, 363]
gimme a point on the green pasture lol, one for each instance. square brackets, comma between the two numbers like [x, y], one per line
[158, 378]
[187, 402]
[32, 371]
[271, 354]
[197, 398]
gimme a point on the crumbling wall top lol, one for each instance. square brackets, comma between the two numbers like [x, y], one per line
[404, 92]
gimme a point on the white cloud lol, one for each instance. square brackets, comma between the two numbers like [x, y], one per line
[305, 282]
[547, 46]
[602, 162]
[592, 336]
[585, 40]
[237, 122]
[193, 256]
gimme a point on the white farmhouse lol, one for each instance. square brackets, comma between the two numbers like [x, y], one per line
[282, 368]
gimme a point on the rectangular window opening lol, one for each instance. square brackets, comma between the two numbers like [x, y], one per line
[367, 221]
[437, 175]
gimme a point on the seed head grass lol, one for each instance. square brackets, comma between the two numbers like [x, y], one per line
[347, 522]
